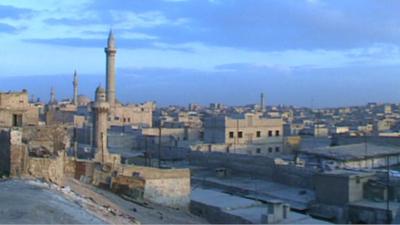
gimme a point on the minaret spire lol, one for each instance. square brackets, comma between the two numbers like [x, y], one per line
[75, 84]
[52, 96]
[110, 51]
[262, 107]
[111, 39]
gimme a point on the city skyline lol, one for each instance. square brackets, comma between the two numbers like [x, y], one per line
[284, 53]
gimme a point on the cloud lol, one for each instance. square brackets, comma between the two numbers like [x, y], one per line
[5, 28]
[281, 25]
[254, 25]
[131, 43]
[247, 67]
[13, 13]
[208, 35]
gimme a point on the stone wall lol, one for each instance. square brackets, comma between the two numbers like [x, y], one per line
[166, 187]
[257, 166]
[49, 169]
[18, 159]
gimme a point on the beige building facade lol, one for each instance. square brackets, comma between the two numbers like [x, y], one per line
[138, 115]
[250, 129]
[247, 134]
[16, 111]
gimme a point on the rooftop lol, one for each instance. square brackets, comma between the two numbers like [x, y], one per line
[353, 151]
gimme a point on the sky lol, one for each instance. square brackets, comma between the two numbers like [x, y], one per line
[300, 52]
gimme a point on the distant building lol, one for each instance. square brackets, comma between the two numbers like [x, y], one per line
[320, 130]
[16, 111]
[248, 133]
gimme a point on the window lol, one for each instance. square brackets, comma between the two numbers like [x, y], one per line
[270, 149]
[270, 133]
[231, 134]
[240, 134]
[17, 120]
[277, 149]
[277, 133]
[201, 135]
[258, 134]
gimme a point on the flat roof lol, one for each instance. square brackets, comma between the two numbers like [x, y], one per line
[353, 151]
[347, 173]
[221, 200]
[248, 209]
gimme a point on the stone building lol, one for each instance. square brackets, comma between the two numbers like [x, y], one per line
[248, 132]
[16, 111]
[138, 115]
[247, 129]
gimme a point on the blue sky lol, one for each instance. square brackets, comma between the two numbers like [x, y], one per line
[293, 50]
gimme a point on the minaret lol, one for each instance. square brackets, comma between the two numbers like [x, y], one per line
[100, 111]
[262, 109]
[75, 83]
[110, 69]
[52, 96]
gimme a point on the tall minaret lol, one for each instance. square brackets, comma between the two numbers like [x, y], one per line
[52, 96]
[262, 109]
[100, 111]
[110, 69]
[75, 83]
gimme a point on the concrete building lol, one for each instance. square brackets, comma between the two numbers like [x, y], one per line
[222, 208]
[243, 129]
[344, 186]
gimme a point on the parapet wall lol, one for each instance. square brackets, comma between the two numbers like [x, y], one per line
[378, 140]
[256, 166]
[166, 187]
[49, 169]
